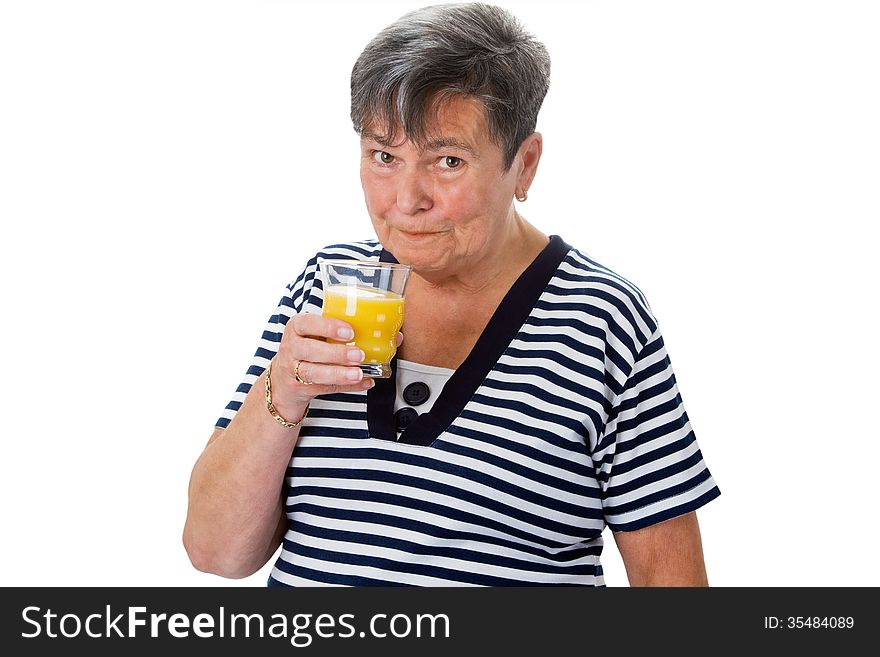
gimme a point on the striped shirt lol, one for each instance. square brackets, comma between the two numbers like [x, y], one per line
[565, 418]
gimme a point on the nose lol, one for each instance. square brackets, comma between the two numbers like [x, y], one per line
[414, 191]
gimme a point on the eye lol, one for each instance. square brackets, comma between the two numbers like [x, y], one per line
[382, 157]
[450, 162]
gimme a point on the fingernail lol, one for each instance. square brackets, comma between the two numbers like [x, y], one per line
[369, 383]
[345, 333]
[354, 374]
[355, 355]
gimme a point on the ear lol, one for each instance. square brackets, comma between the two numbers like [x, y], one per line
[529, 155]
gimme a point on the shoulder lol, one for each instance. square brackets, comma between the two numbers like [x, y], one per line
[305, 288]
[592, 271]
[608, 299]
[359, 250]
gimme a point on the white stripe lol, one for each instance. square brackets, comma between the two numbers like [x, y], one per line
[413, 559]
[587, 526]
[372, 572]
[660, 506]
[455, 481]
[427, 540]
[657, 486]
[514, 457]
[293, 580]
[653, 466]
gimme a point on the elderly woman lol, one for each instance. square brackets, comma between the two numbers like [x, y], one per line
[532, 402]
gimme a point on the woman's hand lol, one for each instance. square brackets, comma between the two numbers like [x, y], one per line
[326, 367]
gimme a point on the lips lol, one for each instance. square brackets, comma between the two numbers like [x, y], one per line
[410, 235]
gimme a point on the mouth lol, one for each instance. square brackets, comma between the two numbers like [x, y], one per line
[417, 235]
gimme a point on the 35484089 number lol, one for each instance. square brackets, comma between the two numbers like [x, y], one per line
[809, 622]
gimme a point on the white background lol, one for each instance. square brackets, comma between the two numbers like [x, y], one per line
[166, 167]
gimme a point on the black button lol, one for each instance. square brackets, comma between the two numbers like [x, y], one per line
[405, 417]
[416, 393]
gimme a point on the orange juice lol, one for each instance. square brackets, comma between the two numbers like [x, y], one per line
[375, 315]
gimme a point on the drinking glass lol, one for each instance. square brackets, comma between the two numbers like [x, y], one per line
[368, 295]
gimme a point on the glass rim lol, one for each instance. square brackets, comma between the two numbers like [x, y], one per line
[363, 264]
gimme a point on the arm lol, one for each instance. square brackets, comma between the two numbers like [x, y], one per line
[235, 519]
[669, 553]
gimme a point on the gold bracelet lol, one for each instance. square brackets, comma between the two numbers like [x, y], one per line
[272, 410]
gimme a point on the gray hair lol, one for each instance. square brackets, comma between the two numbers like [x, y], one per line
[435, 54]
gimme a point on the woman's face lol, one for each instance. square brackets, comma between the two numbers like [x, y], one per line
[441, 209]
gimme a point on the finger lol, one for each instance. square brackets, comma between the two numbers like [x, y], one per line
[318, 351]
[283, 379]
[364, 384]
[361, 386]
[399, 338]
[318, 326]
[329, 375]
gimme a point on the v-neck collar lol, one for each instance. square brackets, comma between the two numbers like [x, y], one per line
[500, 331]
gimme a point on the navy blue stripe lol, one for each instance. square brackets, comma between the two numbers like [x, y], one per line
[400, 520]
[669, 513]
[367, 249]
[581, 512]
[655, 454]
[530, 411]
[570, 323]
[644, 396]
[542, 373]
[339, 414]
[553, 340]
[649, 414]
[328, 578]
[358, 398]
[584, 293]
[348, 474]
[603, 315]
[490, 420]
[312, 431]
[488, 557]
[525, 544]
[572, 465]
[560, 361]
[271, 336]
[636, 379]
[649, 435]
[265, 353]
[594, 281]
[389, 565]
[654, 476]
[526, 471]
[592, 265]
[570, 403]
[659, 496]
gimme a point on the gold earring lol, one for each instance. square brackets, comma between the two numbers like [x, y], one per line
[522, 197]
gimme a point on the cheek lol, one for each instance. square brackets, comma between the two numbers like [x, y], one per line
[463, 200]
[377, 192]
[476, 206]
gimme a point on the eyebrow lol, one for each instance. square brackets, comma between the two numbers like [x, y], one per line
[444, 142]
[438, 144]
[378, 139]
